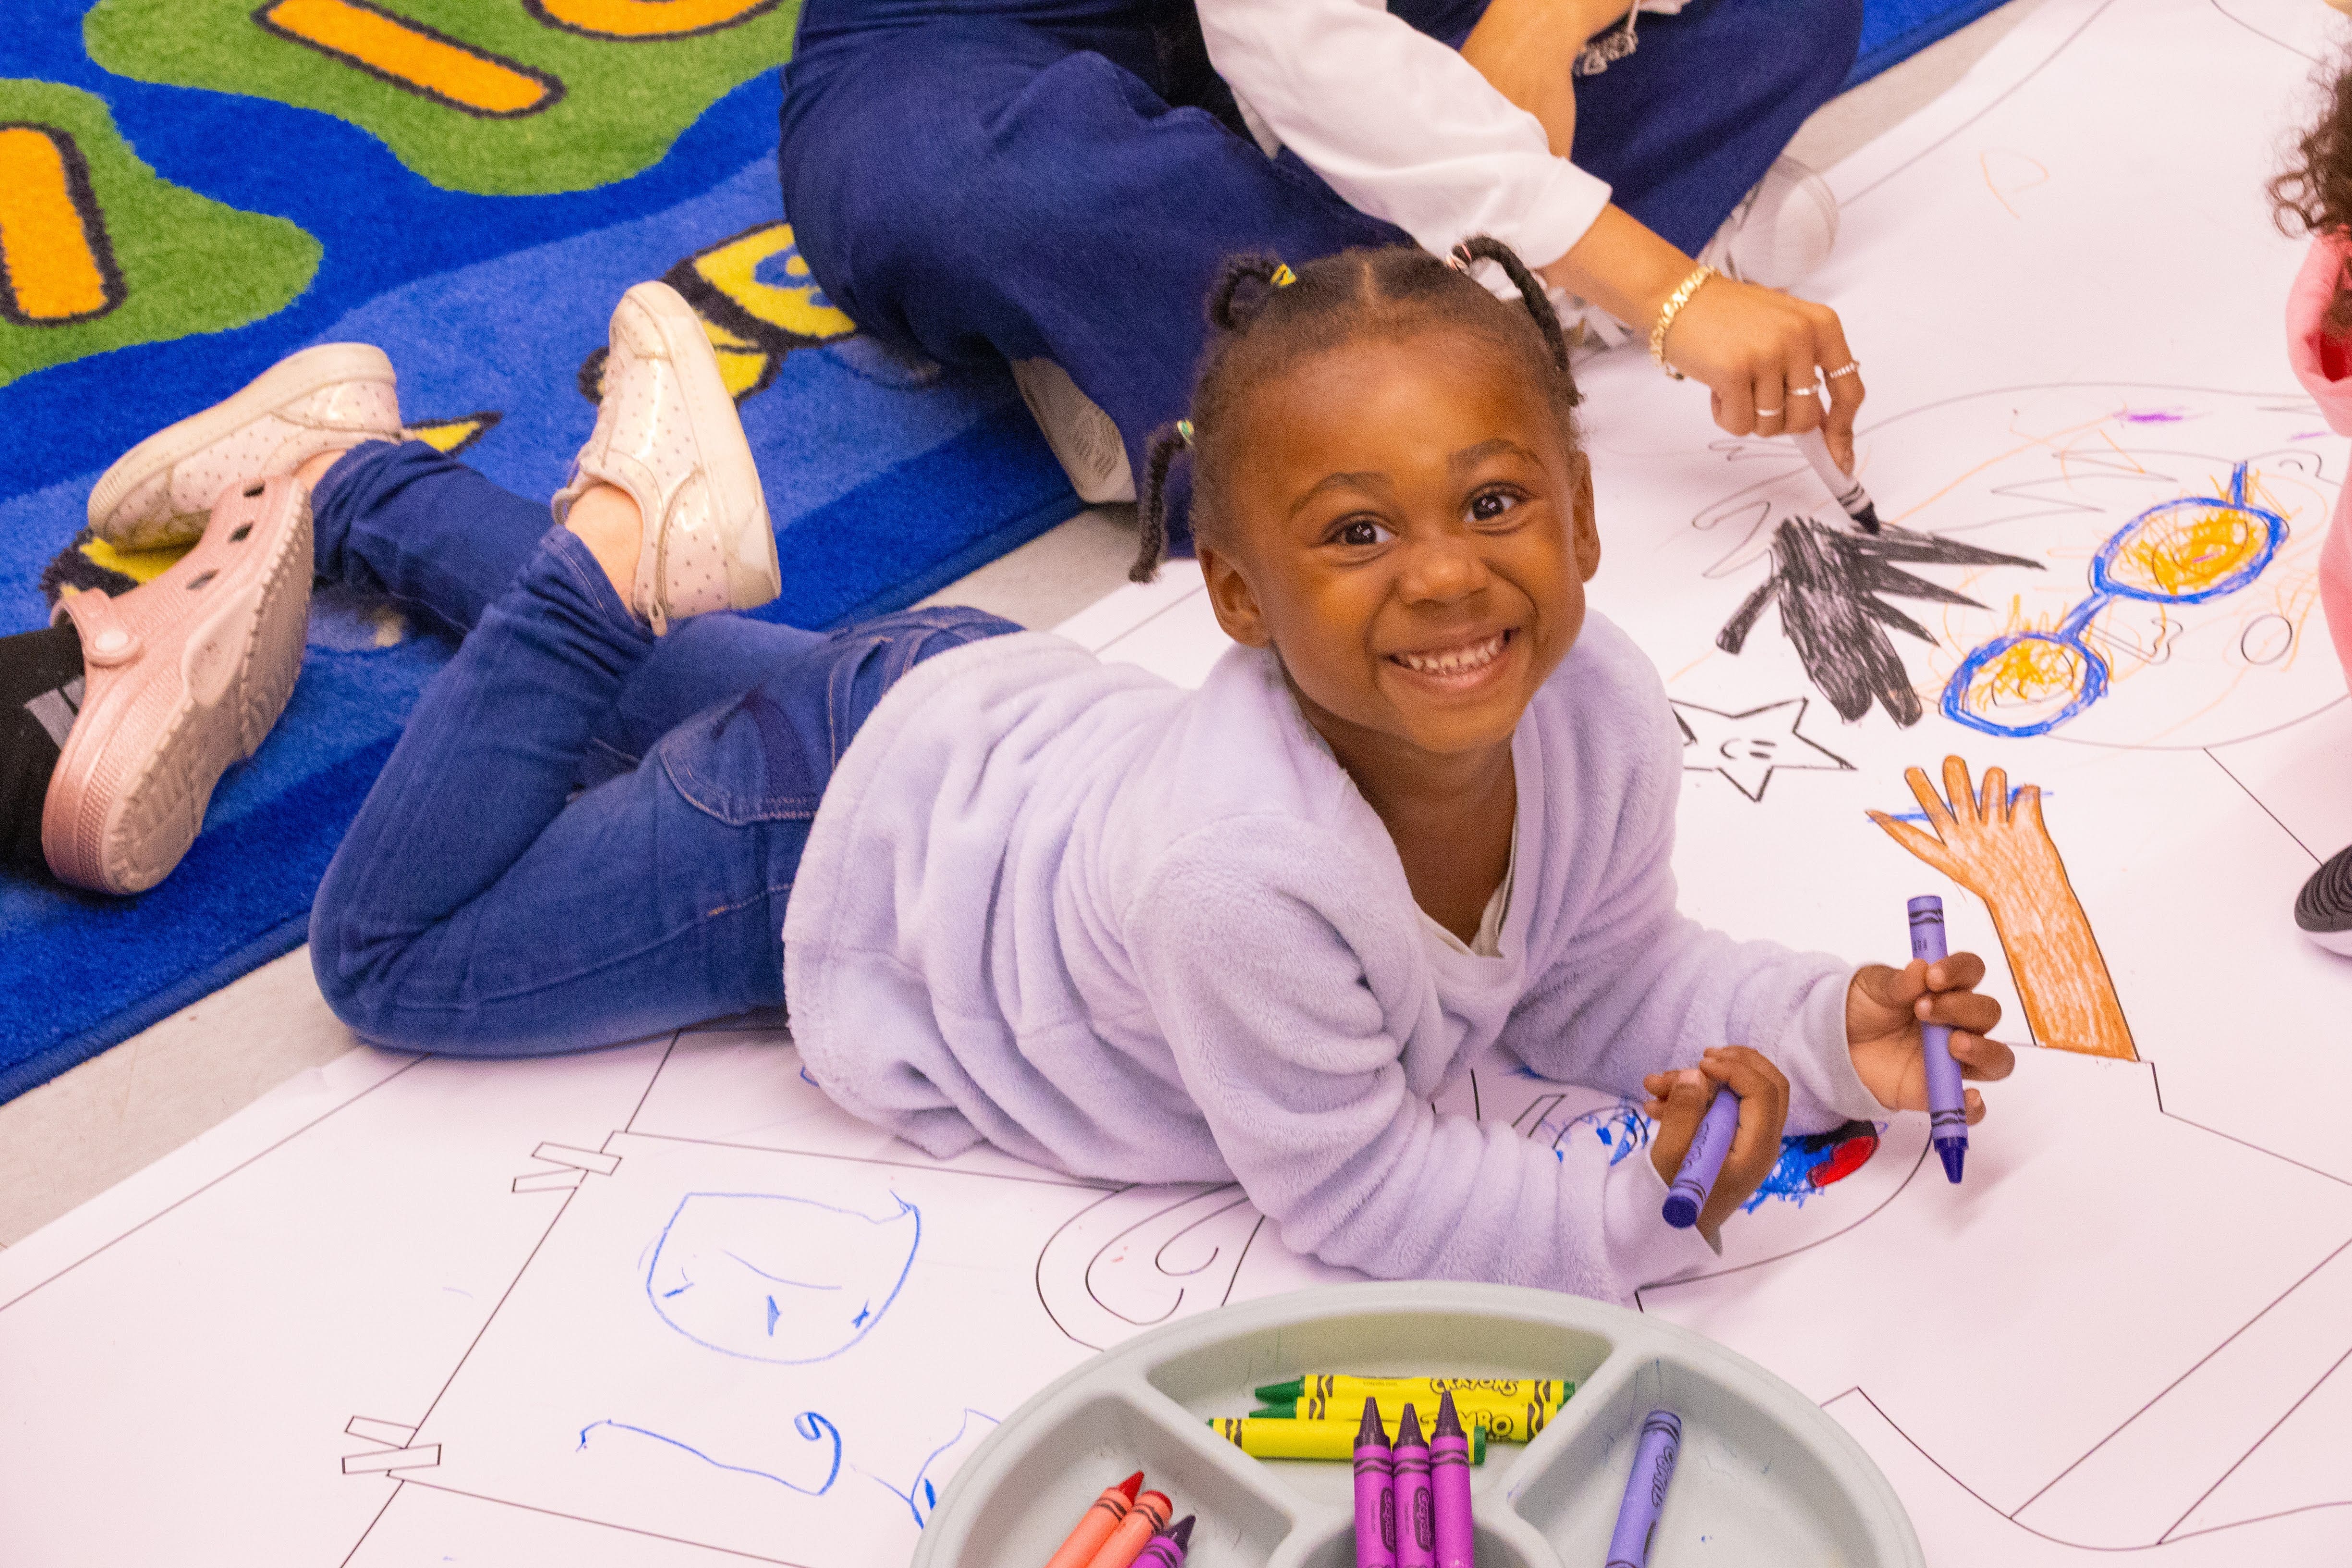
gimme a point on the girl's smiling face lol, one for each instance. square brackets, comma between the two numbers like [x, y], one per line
[1406, 524]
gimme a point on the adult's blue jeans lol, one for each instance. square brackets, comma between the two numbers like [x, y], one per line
[586, 834]
[1063, 179]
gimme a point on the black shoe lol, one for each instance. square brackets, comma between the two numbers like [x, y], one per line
[2323, 908]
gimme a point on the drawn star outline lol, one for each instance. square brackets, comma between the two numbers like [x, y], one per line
[1749, 747]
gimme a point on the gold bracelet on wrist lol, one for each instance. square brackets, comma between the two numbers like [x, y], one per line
[1673, 308]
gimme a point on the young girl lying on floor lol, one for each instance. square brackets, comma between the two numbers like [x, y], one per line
[1012, 893]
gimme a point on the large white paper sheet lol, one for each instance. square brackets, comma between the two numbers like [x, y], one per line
[667, 1305]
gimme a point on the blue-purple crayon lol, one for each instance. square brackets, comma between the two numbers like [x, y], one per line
[1695, 1177]
[1167, 1549]
[1948, 1104]
[1416, 1513]
[1449, 1488]
[1645, 1490]
[1375, 1493]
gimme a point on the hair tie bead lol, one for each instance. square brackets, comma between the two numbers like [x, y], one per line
[1282, 277]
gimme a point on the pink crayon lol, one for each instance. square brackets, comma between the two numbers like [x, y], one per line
[1416, 1521]
[1167, 1550]
[1449, 1486]
[1376, 1536]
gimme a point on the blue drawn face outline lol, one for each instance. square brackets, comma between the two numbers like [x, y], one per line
[872, 1314]
[2104, 590]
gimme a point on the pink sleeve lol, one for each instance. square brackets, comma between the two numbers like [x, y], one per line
[2322, 364]
[2325, 368]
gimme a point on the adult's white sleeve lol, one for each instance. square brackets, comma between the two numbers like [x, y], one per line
[1401, 126]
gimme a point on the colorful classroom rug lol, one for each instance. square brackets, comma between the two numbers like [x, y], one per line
[191, 189]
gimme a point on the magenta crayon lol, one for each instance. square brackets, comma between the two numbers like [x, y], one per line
[1947, 1102]
[1167, 1547]
[1645, 1490]
[1449, 1489]
[1416, 1521]
[1095, 1524]
[1128, 1538]
[1375, 1493]
[1695, 1177]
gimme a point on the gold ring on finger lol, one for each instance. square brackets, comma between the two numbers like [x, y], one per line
[1767, 413]
[1802, 392]
[1850, 367]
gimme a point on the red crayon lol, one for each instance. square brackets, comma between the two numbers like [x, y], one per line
[1133, 1533]
[1095, 1525]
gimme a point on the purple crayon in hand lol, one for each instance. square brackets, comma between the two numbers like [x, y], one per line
[1375, 1493]
[1645, 1490]
[1416, 1518]
[1449, 1488]
[1948, 1104]
[1695, 1177]
[1167, 1549]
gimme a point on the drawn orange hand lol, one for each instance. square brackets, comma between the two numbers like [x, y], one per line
[2000, 849]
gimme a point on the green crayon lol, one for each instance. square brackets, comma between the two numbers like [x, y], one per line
[1293, 1440]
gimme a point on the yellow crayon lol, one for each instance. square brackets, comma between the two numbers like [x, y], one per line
[1274, 1438]
[1550, 1392]
[1504, 1422]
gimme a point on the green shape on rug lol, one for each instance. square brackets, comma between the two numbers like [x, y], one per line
[102, 252]
[527, 99]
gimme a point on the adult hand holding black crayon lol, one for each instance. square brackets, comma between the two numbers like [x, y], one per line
[1679, 1099]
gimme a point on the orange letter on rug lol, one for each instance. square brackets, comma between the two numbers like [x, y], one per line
[645, 18]
[55, 261]
[412, 56]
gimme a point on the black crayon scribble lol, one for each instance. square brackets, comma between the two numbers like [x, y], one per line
[1830, 585]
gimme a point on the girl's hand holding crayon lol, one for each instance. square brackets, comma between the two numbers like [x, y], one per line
[1678, 1101]
[1884, 1010]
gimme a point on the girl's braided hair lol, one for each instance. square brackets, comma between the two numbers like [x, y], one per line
[2315, 193]
[1266, 318]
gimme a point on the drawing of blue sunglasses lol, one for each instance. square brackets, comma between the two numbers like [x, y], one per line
[2180, 551]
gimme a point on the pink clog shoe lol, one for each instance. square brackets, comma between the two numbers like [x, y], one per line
[184, 675]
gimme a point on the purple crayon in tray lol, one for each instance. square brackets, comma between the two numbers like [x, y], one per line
[1645, 1490]
[1947, 1106]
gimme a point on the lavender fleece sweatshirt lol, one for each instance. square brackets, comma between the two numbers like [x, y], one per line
[1127, 930]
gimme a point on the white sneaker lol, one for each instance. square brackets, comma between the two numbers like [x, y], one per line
[327, 398]
[1780, 232]
[1081, 435]
[667, 434]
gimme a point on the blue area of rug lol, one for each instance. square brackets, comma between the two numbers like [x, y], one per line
[887, 479]
[1894, 30]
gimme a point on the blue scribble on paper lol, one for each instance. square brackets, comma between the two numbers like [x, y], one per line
[921, 1495]
[777, 1278]
[1812, 1161]
[1620, 1129]
[2014, 791]
[823, 1455]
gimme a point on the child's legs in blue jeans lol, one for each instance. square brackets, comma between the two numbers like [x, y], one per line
[479, 907]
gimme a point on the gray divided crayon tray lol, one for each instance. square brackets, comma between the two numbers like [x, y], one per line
[1765, 1478]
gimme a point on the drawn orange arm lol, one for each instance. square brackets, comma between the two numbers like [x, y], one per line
[2001, 850]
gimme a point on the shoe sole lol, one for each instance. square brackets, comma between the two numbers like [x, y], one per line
[297, 375]
[708, 405]
[138, 767]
